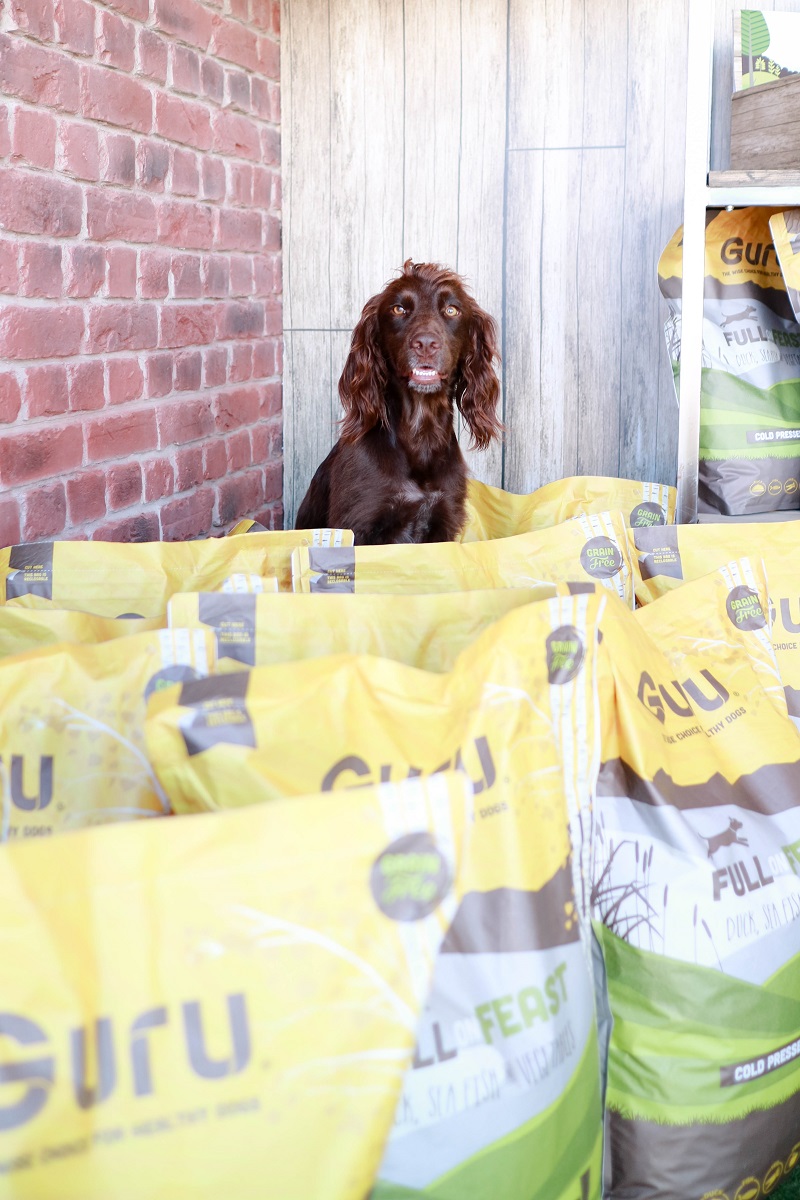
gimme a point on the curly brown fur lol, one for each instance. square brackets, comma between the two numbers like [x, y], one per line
[421, 348]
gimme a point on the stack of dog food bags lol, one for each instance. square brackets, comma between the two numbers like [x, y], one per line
[110, 579]
[504, 1093]
[82, 648]
[189, 1005]
[588, 549]
[696, 895]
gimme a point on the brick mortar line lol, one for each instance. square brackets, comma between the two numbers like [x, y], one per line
[173, 39]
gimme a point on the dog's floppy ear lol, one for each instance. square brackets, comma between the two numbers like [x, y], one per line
[363, 381]
[477, 387]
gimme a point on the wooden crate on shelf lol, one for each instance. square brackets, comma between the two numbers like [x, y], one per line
[765, 126]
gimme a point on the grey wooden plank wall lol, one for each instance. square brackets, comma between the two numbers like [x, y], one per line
[534, 145]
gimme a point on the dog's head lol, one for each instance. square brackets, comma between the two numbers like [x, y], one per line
[426, 333]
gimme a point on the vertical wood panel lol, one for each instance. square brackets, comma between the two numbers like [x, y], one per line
[598, 210]
[366, 139]
[310, 411]
[653, 205]
[535, 145]
[306, 154]
[541, 341]
[481, 181]
[432, 135]
[546, 73]
[605, 65]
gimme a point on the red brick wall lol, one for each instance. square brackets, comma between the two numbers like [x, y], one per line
[140, 273]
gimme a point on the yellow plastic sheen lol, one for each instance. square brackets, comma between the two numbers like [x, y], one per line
[516, 713]
[694, 635]
[494, 513]
[24, 629]
[254, 1006]
[114, 579]
[697, 549]
[589, 548]
[426, 631]
[72, 729]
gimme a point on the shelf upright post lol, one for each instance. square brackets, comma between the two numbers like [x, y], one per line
[698, 138]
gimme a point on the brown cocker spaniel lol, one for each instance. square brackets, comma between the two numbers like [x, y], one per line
[397, 473]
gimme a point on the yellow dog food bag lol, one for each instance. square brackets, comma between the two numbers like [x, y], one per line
[24, 629]
[696, 896]
[587, 548]
[494, 513]
[72, 729]
[426, 631]
[785, 230]
[666, 558]
[224, 1006]
[504, 1094]
[315, 537]
[116, 579]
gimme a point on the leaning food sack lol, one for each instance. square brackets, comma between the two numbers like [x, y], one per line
[494, 513]
[696, 897]
[588, 548]
[750, 398]
[223, 1006]
[503, 1098]
[116, 579]
[426, 631]
[665, 558]
[72, 729]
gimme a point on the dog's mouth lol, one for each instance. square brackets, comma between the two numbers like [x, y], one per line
[425, 378]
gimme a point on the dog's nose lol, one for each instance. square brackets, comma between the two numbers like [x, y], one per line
[426, 343]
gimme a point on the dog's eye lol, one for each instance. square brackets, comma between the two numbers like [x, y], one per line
[451, 311]
[398, 310]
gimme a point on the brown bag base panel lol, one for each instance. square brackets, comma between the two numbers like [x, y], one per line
[662, 1162]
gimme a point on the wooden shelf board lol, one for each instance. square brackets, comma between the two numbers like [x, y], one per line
[754, 178]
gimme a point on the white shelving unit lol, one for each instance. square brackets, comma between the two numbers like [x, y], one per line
[704, 189]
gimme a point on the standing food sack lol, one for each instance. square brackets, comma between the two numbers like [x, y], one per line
[664, 559]
[116, 579]
[187, 1005]
[588, 548]
[750, 406]
[696, 897]
[494, 513]
[503, 1098]
[72, 729]
[426, 631]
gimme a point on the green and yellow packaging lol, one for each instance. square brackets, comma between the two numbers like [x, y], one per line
[750, 398]
[187, 1003]
[503, 1097]
[696, 896]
